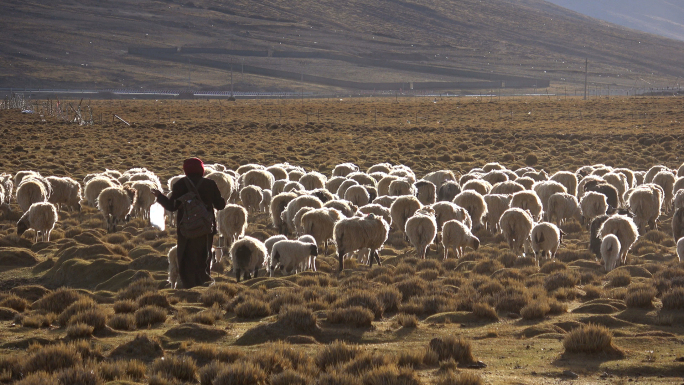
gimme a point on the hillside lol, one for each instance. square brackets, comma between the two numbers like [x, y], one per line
[660, 17]
[85, 43]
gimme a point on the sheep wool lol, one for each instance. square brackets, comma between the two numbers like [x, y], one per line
[292, 256]
[251, 197]
[666, 180]
[94, 187]
[426, 192]
[508, 187]
[174, 275]
[438, 178]
[402, 209]
[592, 205]
[363, 179]
[680, 249]
[265, 204]
[294, 206]
[457, 236]
[278, 172]
[496, 205]
[567, 179]
[224, 182]
[65, 191]
[278, 204]
[353, 234]
[260, 178]
[344, 169]
[30, 191]
[678, 223]
[247, 255]
[610, 252]
[480, 185]
[545, 238]
[8, 187]
[645, 203]
[357, 195]
[421, 230]
[333, 184]
[545, 189]
[41, 217]
[320, 223]
[447, 211]
[378, 210]
[563, 206]
[116, 204]
[313, 180]
[231, 224]
[145, 198]
[384, 184]
[624, 229]
[343, 206]
[401, 187]
[474, 204]
[515, 225]
[448, 191]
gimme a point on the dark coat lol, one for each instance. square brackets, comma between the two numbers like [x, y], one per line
[194, 255]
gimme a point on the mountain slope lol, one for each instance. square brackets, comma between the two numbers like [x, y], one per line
[660, 17]
[85, 43]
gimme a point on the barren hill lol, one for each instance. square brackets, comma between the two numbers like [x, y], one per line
[277, 45]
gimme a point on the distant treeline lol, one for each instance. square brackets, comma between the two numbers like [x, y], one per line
[485, 80]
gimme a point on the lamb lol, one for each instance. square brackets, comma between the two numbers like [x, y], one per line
[563, 206]
[265, 204]
[363, 179]
[344, 186]
[313, 180]
[457, 236]
[279, 173]
[545, 238]
[260, 178]
[666, 180]
[593, 204]
[448, 191]
[678, 223]
[680, 249]
[480, 185]
[278, 204]
[438, 178]
[320, 223]
[293, 186]
[115, 204]
[343, 169]
[41, 217]
[402, 187]
[495, 176]
[251, 197]
[270, 241]
[333, 184]
[475, 206]
[567, 179]
[610, 252]
[30, 191]
[145, 198]
[352, 234]
[295, 175]
[384, 184]
[528, 200]
[224, 182]
[345, 207]
[515, 225]
[426, 192]
[447, 211]
[357, 195]
[538, 176]
[624, 229]
[299, 230]
[231, 223]
[174, 275]
[421, 230]
[378, 210]
[545, 189]
[294, 206]
[507, 188]
[584, 181]
[645, 203]
[385, 200]
[65, 191]
[8, 186]
[293, 256]
[247, 255]
[496, 205]
[94, 187]
[279, 186]
[402, 209]
[526, 182]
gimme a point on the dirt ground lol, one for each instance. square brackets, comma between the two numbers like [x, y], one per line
[390, 318]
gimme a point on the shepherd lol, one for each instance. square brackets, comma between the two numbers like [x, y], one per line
[195, 198]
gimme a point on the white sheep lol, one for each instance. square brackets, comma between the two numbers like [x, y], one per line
[619, 181]
[313, 180]
[401, 187]
[247, 255]
[20, 175]
[480, 185]
[65, 191]
[294, 206]
[545, 189]
[523, 170]
[94, 187]
[651, 173]
[293, 186]
[426, 192]
[629, 176]
[148, 176]
[279, 186]
[538, 176]
[624, 229]
[292, 256]
[319, 223]
[278, 204]
[8, 186]
[593, 204]
[496, 205]
[474, 204]
[344, 186]
[402, 209]
[231, 223]
[174, 274]
[447, 211]
[666, 180]
[678, 223]
[680, 249]
[357, 195]
[245, 168]
[404, 172]
[421, 230]
[610, 252]
[567, 179]
[343, 169]
[645, 203]
[224, 182]
[353, 234]
[40, 217]
[265, 204]
[515, 225]
[378, 210]
[508, 187]
[584, 181]
[678, 200]
[30, 191]
[251, 197]
[343, 206]
[295, 175]
[333, 184]
[528, 200]
[380, 167]
[145, 198]
[457, 236]
[363, 179]
[115, 204]
[278, 172]
[495, 176]
[526, 182]
[448, 191]
[299, 230]
[438, 178]
[563, 206]
[545, 239]
[385, 200]
[260, 178]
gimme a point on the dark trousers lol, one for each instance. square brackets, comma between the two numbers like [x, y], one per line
[194, 260]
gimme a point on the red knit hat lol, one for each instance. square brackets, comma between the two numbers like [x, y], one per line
[193, 166]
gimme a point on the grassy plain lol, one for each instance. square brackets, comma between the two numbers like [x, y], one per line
[413, 317]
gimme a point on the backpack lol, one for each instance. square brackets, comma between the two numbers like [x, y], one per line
[197, 220]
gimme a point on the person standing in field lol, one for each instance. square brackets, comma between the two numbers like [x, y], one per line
[196, 221]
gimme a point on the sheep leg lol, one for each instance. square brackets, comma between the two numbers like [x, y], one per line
[237, 274]
[446, 252]
[256, 271]
[340, 255]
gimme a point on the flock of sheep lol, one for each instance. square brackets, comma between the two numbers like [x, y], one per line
[356, 210]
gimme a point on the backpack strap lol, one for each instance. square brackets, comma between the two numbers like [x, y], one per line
[191, 187]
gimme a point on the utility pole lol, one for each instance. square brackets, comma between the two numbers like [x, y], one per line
[586, 74]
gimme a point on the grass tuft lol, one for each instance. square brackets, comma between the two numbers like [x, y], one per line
[175, 367]
[298, 317]
[356, 315]
[589, 339]
[485, 311]
[252, 308]
[79, 330]
[450, 347]
[149, 316]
